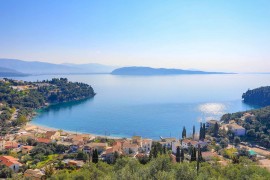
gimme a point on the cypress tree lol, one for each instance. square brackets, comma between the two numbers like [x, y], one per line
[178, 154]
[216, 128]
[164, 150]
[193, 154]
[184, 133]
[182, 155]
[201, 133]
[204, 131]
[95, 156]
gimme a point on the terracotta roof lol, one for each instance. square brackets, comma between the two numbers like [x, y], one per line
[9, 160]
[49, 134]
[192, 142]
[43, 140]
[28, 147]
[11, 144]
[129, 145]
[98, 144]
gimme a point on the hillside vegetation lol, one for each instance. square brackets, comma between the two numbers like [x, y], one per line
[257, 125]
[259, 96]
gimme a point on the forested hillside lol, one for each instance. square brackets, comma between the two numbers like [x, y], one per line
[19, 99]
[259, 96]
[257, 125]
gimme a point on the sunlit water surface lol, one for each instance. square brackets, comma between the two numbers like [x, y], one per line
[150, 106]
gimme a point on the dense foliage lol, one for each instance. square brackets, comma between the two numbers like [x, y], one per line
[259, 96]
[19, 99]
[162, 168]
[257, 126]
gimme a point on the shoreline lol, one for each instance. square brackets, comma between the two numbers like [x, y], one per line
[43, 128]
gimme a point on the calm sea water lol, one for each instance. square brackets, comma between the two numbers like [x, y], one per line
[150, 106]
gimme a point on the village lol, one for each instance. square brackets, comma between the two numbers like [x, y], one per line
[22, 151]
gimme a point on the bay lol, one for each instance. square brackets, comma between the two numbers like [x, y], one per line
[149, 106]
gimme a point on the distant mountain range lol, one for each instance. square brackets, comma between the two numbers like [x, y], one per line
[6, 72]
[15, 67]
[147, 71]
[37, 68]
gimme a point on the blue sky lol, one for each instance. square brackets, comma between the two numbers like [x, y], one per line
[227, 35]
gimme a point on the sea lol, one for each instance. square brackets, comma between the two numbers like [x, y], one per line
[149, 106]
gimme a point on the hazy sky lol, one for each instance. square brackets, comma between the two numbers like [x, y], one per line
[228, 35]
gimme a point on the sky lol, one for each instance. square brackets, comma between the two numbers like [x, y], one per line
[223, 35]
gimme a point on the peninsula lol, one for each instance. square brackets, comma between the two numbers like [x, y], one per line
[148, 71]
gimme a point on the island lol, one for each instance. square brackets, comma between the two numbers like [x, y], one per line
[148, 71]
[259, 96]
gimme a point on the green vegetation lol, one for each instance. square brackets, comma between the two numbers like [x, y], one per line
[259, 96]
[20, 99]
[162, 168]
[257, 125]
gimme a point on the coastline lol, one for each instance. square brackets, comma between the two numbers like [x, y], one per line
[42, 129]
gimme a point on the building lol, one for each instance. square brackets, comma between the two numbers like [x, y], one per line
[100, 147]
[146, 145]
[11, 145]
[53, 135]
[87, 149]
[237, 129]
[43, 140]
[130, 148]
[175, 145]
[10, 162]
[210, 123]
[109, 154]
[167, 142]
[186, 143]
[34, 174]
[26, 149]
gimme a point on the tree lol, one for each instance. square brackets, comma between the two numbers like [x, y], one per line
[216, 128]
[193, 133]
[204, 131]
[49, 171]
[184, 133]
[5, 172]
[236, 141]
[95, 156]
[164, 150]
[193, 154]
[178, 154]
[224, 143]
[182, 155]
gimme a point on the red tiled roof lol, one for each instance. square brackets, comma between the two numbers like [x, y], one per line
[11, 144]
[43, 140]
[8, 161]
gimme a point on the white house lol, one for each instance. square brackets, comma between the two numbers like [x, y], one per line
[130, 148]
[10, 162]
[146, 145]
[186, 143]
[175, 145]
[167, 142]
[238, 130]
